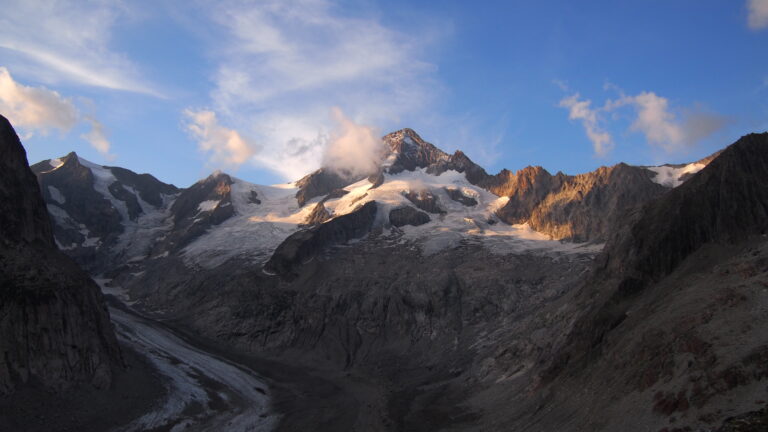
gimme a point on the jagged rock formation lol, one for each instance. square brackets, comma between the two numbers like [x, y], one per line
[574, 208]
[54, 327]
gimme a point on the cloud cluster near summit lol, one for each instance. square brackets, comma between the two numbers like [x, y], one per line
[281, 66]
[758, 14]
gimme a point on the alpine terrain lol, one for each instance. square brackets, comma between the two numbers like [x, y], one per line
[424, 295]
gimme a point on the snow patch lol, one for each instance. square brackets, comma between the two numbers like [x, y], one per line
[207, 205]
[670, 176]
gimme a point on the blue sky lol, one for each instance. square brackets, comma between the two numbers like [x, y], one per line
[179, 89]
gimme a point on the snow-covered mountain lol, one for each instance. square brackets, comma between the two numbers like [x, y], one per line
[105, 216]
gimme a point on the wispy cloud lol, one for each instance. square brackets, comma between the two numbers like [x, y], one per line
[653, 117]
[97, 137]
[62, 41]
[282, 66]
[40, 110]
[758, 14]
[580, 109]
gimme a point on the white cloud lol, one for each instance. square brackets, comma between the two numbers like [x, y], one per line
[38, 110]
[97, 137]
[602, 142]
[226, 146]
[281, 66]
[35, 109]
[63, 41]
[653, 117]
[758, 14]
[656, 122]
[353, 150]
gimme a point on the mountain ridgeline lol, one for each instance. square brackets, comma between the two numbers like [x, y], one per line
[472, 301]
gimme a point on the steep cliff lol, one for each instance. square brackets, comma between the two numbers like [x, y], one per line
[54, 327]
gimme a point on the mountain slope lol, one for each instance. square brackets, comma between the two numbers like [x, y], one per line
[670, 325]
[54, 328]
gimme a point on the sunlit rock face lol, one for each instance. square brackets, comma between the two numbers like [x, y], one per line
[54, 328]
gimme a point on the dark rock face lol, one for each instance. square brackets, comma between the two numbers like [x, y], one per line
[25, 219]
[305, 244]
[725, 202]
[91, 214]
[319, 183]
[54, 327]
[411, 151]
[425, 200]
[671, 286]
[254, 198]
[198, 208]
[458, 196]
[408, 215]
[148, 187]
[460, 162]
[81, 202]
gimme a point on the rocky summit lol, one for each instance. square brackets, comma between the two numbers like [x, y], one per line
[424, 295]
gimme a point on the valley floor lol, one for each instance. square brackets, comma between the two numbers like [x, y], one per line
[209, 387]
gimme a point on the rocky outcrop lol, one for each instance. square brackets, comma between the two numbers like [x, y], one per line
[424, 200]
[319, 183]
[305, 244]
[458, 196]
[407, 215]
[318, 215]
[526, 190]
[54, 327]
[205, 204]
[409, 151]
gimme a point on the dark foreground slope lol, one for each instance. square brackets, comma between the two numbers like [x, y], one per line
[670, 331]
[59, 358]
[55, 328]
